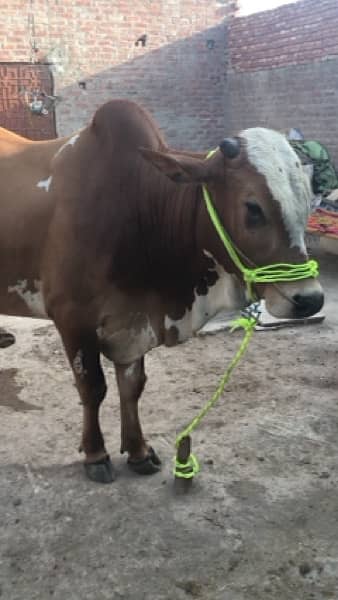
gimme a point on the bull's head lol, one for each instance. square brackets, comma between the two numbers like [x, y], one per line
[262, 197]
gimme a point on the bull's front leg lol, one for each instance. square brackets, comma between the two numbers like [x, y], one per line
[131, 380]
[83, 353]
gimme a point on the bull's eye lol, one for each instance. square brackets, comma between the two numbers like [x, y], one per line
[254, 215]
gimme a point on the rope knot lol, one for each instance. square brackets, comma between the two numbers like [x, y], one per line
[313, 267]
[247, 323]
[249, 275]
[188, 469]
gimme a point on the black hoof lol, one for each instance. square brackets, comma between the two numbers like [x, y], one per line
[6, 339]
[101, 471]
[146, 466]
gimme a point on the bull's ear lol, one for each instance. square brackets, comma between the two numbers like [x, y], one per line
[181, 168]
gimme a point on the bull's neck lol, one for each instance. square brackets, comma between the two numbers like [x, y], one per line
[167, 244]
[172, 250]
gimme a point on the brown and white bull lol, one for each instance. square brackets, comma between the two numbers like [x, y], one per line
[107, 234]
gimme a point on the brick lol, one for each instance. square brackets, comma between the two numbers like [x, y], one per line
[307, 28]
[301, 95]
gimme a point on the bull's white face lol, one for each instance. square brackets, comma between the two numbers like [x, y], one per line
[273, 157]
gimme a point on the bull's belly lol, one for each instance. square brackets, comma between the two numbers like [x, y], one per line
[126, 342]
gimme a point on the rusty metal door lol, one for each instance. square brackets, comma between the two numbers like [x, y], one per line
[15, 113]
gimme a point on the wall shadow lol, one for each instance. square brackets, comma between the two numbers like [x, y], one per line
[182, 84]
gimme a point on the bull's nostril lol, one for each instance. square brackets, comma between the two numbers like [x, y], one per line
[308, 304]
[297, 298]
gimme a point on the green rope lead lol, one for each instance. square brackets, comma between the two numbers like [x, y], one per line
[191, 467]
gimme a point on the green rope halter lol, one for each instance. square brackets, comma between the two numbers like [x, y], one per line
[267, 274]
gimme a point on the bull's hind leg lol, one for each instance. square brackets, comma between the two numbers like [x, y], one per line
[131, 380]
[84, 356]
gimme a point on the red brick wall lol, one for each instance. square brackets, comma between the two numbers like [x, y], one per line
[271, 68]
[283, 71]
[176, 75]
[294, 34]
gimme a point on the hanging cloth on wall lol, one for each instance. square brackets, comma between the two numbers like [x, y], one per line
[324, 174]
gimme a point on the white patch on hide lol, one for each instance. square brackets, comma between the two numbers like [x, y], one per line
[146, 338]
[226, 294]
[209, 255]
[78, 367]
[129, 372]
[69, 142]
[272, 155]
[44, 184]
[33, 300]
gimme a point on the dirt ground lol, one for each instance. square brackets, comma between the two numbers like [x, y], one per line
[261, 522]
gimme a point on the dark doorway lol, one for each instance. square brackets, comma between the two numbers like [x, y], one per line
[15, 113]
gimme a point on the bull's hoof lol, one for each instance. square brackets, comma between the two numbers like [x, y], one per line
[101, 471]
[146, 466]
[6, 339]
